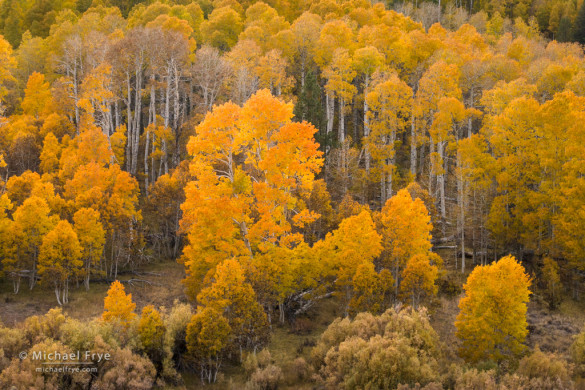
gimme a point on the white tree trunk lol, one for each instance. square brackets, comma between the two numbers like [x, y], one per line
[441, 179]
[341, 135]
[413, 144]
[330, 112]
[366, 124]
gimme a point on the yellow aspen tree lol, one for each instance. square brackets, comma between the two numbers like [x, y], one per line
[335, 35]
[32, 222]
[97, 97]
[118, 142]
[231, 294]
[57, 124]
[390, 102]
[366, 61]
[7, 68]
[340, 76]
[174, 24]
[208, 335]
[552, 280]
[50, 154]
[306, 29]
[445, 129]
[11, 262]
[118, 306]
[406, 231]
[439, 81]
[37, 96]
[418, 279]
[93, 145]
[60, 260]
[19, 188]
[272, 75]
[243, 60]
[262, 23]
[492, 319]
[92, 237]
[114, 194]
[222, 28]
[151, 331]
[355, 242]
[370, 289]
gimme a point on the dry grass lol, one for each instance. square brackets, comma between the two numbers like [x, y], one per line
[554, 331]
[443, 321]
[165, 287]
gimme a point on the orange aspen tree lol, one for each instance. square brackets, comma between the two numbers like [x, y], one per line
[250, 163]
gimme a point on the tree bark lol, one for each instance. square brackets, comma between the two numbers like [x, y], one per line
[330, 112]
[341, 135]
[129, 126]
[366, 125]
[441, 179]
[413, 144]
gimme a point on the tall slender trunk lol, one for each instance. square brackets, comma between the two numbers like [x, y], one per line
[87, 271]
[244, 233]
[413, 143]
[341, 135]
[469, 120]
[330, 112]
[397, 278]
[146, 172]
[66, 291]
[461, 188]
[76, 97]
[57, 293]
[366, 124]
[117, 114]
[383, 197]
[16, 284]
[129, 126]
[152, 121]
[176, 115]
[303, 60]
[431, 175]
[281, 312]
[33, 274]
[392, 164]
[167, 99]
[166, 117]
[441, 179]
[154, 177]
[111, 125]
[137, 118]
[421, 159]
[112, 255]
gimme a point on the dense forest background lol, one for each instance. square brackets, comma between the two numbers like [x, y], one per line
[415, 168]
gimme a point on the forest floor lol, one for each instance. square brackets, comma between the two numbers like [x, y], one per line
[160, 285]
[554, 331]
